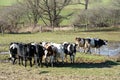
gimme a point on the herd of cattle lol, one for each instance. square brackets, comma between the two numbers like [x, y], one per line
[50, 52]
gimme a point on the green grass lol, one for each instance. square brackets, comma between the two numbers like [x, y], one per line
[7, 2]
[80, 72]
[61, 36]
[68, 9]
[86, 67]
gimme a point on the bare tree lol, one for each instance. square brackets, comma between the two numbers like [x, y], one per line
[116, 3]
[86, 4]
[11, 16]
[34, 11]
[52, 11]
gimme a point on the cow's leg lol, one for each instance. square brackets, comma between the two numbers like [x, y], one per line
[35, 59]
[66, 57]
[63, 58]
[84, 50]
[13, 60]
[22, 60]
[40, 64]
[72, 58]
[30, 59]
[99, 51]
[25, 61]
[51, 60]
[95, 50]
[89, 50]
[19, 60]
[46, 61]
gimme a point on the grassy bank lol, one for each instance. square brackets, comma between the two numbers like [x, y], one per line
[86, 67]
[7, 2]
[79, 71]
[57, 36]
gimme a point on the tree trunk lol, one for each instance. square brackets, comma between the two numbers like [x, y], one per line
[2, 31]
[86, 4]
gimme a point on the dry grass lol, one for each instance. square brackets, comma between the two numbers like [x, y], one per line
[86, 67]
[15, 72]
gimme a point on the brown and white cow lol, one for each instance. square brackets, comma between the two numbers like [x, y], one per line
[88, 43]
[50, 53]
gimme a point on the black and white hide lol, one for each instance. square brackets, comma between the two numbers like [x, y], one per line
[38, 51]
[13, 49]
[70, 49]
[94, 43]
[18, 51]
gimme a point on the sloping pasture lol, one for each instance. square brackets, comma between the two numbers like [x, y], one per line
[86, 66]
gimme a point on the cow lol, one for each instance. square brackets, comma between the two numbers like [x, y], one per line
[38, 51]
[59, 51]
[90, 43]
[31, 51]
[18, 50]
[13, 49]
[80, 43]
[70, 49]
[50, 52]
[94, 43]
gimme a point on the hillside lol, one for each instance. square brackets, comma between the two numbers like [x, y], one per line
[7, 2]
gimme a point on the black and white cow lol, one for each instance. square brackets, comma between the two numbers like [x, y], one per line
[18, 50]
[26, 52]
[94, 43]
[31, 51]
[59, 51]
[38, 51]
[90, 43]
[13, 51]
[70, 49]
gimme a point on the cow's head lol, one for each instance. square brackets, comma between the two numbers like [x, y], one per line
[13, 51]
[105, 42]
[48, 51]
[79, 41]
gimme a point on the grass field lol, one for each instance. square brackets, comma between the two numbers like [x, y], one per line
[87, 67]
[57, 36]
[80, 72]
[7, 2]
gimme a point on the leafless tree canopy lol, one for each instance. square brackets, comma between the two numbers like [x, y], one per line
[99, 16]
[10, 17]
[50, 12]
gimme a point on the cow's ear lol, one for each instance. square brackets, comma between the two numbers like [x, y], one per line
[40, 42]
[106, 40]
[76, 38]
[11, 43]
[76, 44]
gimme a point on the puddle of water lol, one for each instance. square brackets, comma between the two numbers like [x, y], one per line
[109, 51]
[113, 48]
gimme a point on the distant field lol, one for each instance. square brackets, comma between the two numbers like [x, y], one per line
[57, 36]
[86, 66]
[7, 2]
[66, 11]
